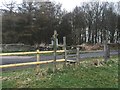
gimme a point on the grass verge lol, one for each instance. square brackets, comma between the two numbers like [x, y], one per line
[86, 75]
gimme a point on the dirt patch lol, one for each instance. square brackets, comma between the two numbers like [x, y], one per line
[89, 47]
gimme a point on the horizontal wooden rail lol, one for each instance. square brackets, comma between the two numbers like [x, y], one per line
[91, 51]
[30, 63]
[43, 52]
[71, 60]
[26, 53]
[17, 53]
[60, 51]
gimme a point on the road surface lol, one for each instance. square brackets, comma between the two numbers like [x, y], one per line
[23, 59]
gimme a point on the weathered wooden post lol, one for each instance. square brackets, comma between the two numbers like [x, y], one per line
[106, 51]
[77, 56]
[55, 48]
[38, 59]
[65, 55]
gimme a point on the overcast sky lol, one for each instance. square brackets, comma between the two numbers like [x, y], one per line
[67, 4]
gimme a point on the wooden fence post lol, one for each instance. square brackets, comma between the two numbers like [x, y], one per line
[106, 51]
[77, 56]
[64, 43]
[38, 59]
[55, 49]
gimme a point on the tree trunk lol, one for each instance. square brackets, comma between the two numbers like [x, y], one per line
[89, 34]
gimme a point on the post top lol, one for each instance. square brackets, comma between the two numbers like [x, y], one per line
[55, 34]
[38, 51]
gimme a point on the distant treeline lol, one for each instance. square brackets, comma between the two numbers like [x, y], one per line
[34, 23]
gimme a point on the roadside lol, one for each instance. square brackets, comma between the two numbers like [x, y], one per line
[86, 75]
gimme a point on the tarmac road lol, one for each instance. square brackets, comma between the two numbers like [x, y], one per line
[22, 59]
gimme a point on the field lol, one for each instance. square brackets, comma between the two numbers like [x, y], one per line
[86, 75]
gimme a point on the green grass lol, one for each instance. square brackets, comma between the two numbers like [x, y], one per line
[86, 75]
